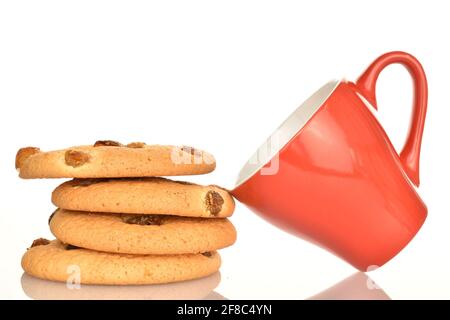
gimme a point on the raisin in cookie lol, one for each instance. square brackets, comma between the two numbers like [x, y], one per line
[53, 260]
[141, 234]
[110, 159]
[144, 196]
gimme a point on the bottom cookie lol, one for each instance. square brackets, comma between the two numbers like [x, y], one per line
[53, 260]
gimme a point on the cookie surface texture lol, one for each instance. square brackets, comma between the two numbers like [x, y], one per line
[144, 196]
[110, 159]
[141, 234]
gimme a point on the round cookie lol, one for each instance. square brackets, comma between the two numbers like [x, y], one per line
[141, 234]
[144, 196]
[53, 260]
[110, 159]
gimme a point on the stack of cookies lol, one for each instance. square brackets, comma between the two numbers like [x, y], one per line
[119, 222]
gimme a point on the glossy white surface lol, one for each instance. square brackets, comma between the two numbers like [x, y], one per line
[219, 76]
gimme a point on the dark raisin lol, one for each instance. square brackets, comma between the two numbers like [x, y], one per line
[107, 143]
[214, 202]
[71, 247]
[75, 158]
[136, 145]
[143, 219]
[39, 242]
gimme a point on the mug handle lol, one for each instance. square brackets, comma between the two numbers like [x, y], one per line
[366, 84]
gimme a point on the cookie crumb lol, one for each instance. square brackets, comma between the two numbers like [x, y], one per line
[75, 158]
[25, 153]
[214, 202]
[143, 219]
[39, 242]
[107, 143]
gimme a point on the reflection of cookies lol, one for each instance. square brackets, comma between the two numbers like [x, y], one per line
[109, 159]
[186, 290]
[144, 196]
[141, 234]
[214, 296]
[59, 262]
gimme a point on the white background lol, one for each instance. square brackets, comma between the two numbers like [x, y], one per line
[219, 76]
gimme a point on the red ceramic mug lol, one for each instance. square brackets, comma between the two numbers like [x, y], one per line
[330, 174]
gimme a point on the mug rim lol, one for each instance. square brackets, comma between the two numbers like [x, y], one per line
[286, 131]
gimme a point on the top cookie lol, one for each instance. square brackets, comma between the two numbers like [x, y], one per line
[110, 159]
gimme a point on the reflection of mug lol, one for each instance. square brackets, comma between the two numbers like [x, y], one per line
[338, 181]
[185, 290]
[356, 287]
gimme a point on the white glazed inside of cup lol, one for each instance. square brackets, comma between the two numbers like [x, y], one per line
[285, 132]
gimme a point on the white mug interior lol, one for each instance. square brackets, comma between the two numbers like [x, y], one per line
[284, 133]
